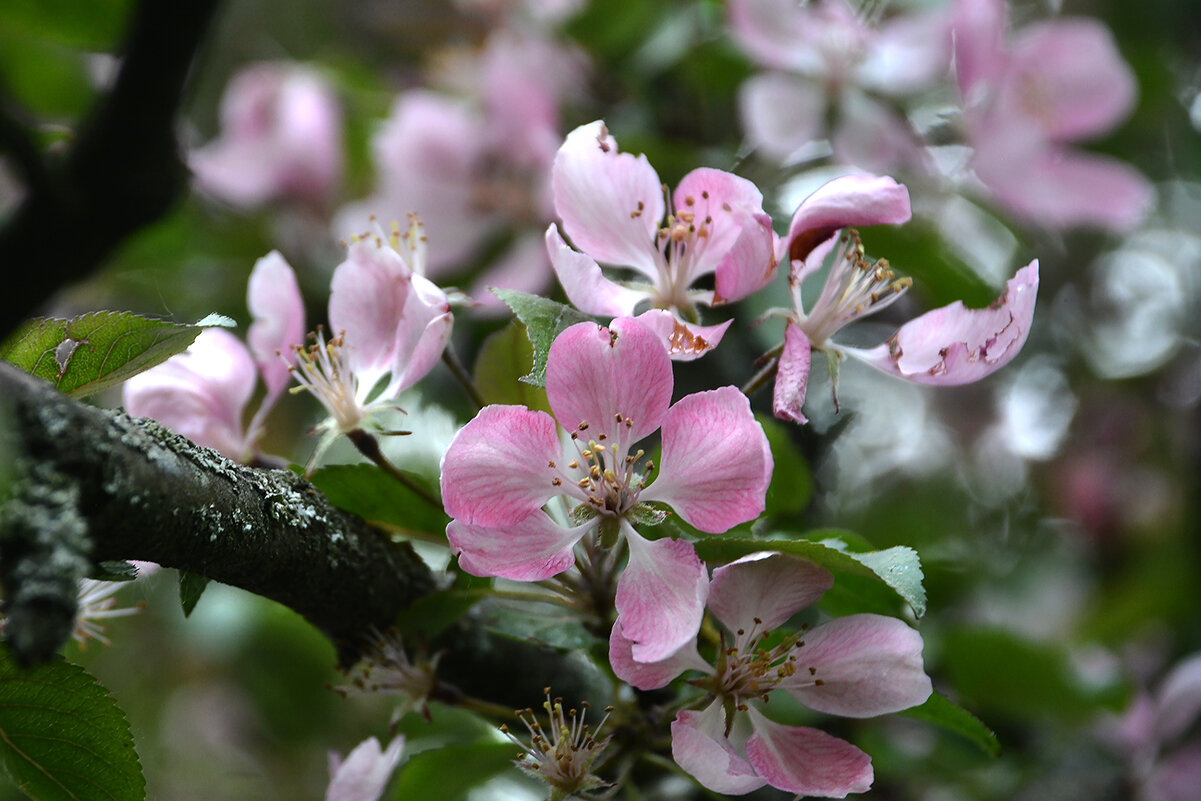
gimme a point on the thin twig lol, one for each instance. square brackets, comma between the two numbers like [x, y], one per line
[464, 378]
[369, 447]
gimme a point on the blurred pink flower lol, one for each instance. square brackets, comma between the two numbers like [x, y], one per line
[1027, 99]
[856, 666]
[202, 392]
[365, 773]
[608, 388]
[950, 345]
[281, 138]
[825, 53]
[613, 208]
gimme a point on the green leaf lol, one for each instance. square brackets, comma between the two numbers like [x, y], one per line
[544, 320]
[451, 772]
[942, 711]
[368, 492]
[191, 587]
[917, 249]
[791, 482]
[430, 615]
[62, 736]
[94, 25]
[95, 351]
[898, 567]
[504, 359]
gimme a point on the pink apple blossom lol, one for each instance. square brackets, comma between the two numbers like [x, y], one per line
[614, 211]
[856, 666]
[281, 137]
[202, 392]
[608, 389]
[1027, 98]
[951, 345]
[389, 322]
[365, 772]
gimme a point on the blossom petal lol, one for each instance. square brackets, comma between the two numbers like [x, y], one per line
[499, 467]
[584, 284]
[594, 374]
[807, 761]
[979, 36]
[421, 335]
[611, 203]
[792, 376]
[856, 200]
[958, 345]
[531, 549]
[699, 745]
[781, 114]
[716, 461]
[908, 53]
[273, 297]
[660, 596]
[737, 244]
[367, 299]
[365, 773]
[868, 665]
[684, 341]
[763, 590]
[651, 675]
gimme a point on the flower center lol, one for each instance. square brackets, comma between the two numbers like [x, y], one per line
[321, 369]
[682, 241]
[609, 479]
[856, 287]
[562, 754]
[749, 669]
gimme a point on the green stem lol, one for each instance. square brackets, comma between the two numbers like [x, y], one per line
[369, 447]
[765, 373]
[463, 377]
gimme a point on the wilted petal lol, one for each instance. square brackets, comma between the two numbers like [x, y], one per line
[852, 200]
[958, 345]
[781, 114]
[365, 773]
[763, 590]
[699, 745]
[499, 467]
[868, 664]
[584, 284]
[716, 461]
[684, 341]
[792, 376]
[660, 596]
[274, 300]
[531, 549]
[611, 203]
[807, 761]
[651, 675]
[595, 373]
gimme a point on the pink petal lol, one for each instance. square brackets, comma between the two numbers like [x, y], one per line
[792, 376]
[979, 35]
[660, 596]
[716, 461]
[584, 284]
[749, 264]
[421, 334]
[274, 300]
[684, 341]
[367, 298]
[738, 244]
[958, 345]
[1178, 701]
[765, 587]
[852, 200]
[699, 745]
[776, 33]
[531, 549]
[907, 54]
[650, 675]
[781, 114]
[868, 664]
[365, 773]
[594, 374]
[498, 468]
[611, 203]
[807, 761]
[523, 267]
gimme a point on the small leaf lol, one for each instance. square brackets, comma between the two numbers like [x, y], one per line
[94, 351]
[941, 711]
[430, 615]
[791, 482]
[449, 773]
[191, 587]
[368, 492]
[62, 736]
[504, 359]
[114, 571]
[544, 320]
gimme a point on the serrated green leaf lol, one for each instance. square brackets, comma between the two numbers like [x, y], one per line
[368, 492]
[191, 587]
[451, 772]
[503, 360]
[898, 567]
[544, 320]
[95, 351]
[62, 736]
[942, 711]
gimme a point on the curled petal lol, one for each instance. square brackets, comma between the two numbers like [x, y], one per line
[792, 376]
[806, 761]
[611, 203]
[684, 341]
[421, 335]
[868, 665]
[958, 345]
[531, 549]
[765, 589]
[660, 596]
[584, 284]
[500, 466]
[274, 300]
[716, 462]
[699, 745]
[650, 675]
[367, 300]
[856, 200]
[364, 774]
[737, 242]
[594, 374]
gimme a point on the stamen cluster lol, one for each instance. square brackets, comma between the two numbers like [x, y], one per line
[563, 753]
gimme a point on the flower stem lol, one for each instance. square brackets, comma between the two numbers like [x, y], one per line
[369, 447]
[765, 373]
[464, 378]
